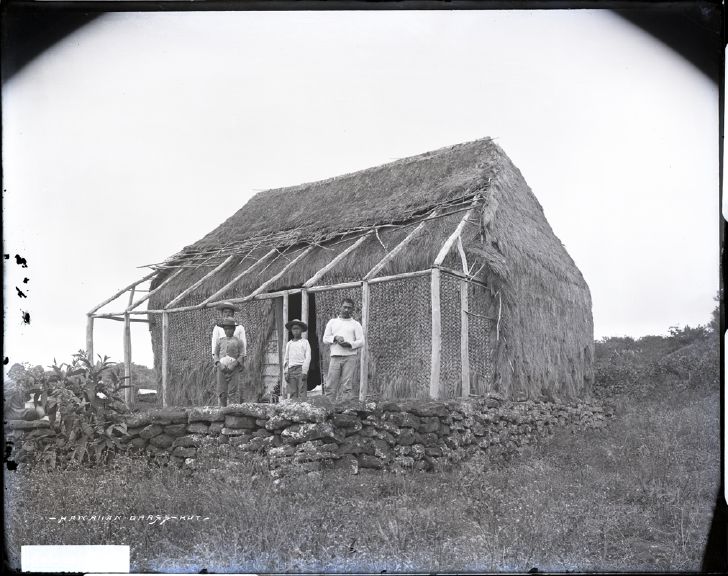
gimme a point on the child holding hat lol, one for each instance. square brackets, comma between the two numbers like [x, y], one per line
[227, 309]
[229, 354]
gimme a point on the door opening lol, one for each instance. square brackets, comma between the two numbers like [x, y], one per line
[294, 311]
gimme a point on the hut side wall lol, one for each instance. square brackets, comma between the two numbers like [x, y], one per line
[547, 333]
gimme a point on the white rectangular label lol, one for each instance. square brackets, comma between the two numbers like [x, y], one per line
[74, 558]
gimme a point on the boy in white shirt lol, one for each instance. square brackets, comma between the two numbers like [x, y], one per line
[296, 361]
[346, 336]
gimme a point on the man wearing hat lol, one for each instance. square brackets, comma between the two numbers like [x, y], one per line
[296, 361]
[228, 356]
[227, 309]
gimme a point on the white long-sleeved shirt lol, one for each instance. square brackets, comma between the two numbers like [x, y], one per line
[350, 330]
[219, 332]
[298, 353]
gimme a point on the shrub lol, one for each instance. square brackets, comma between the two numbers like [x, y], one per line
[85, 412]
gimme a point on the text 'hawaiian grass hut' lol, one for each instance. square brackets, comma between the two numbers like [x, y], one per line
[460, 284]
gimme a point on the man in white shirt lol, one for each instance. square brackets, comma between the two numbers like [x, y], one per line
[227, 309]
[346, 336]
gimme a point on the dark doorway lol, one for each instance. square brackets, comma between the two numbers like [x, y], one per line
[294, 311]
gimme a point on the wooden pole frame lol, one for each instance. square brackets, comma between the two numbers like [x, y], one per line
[330, 287]
[90, 338]
[316, 277]
[201, 281]
[149, 294]
[464, 326]
[398, 248]
[436, 334]
[209, 301]
[304, 311]
[465, 277]
[129, 391]
[165, 356]
[269, 295]
[284, 340]
[455, 235]
[285, 269]
[120, 292]
[364, 356]
[119, 318]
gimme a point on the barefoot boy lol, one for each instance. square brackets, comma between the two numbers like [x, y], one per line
[296, 361]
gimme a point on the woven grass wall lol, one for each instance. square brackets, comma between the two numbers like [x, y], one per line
[481, 339]
[191, 371]
[327, 307]
[450, 360]
[400, 338]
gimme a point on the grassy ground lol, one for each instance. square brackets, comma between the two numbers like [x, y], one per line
[637, 496]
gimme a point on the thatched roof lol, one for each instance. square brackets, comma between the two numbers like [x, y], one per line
[388, 193]
[333, 213]
[394, 197]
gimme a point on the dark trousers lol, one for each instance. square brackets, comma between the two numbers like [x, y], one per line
[228, 386]
[296, 387]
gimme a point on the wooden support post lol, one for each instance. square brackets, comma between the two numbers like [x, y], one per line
[284, 340]
[304, 311]
[464, 340]
[90, 338]
[316, 277]
[130, 395]
[436, 335]
[165, 356]
[129, 392]
[464, 325]
[364, 356]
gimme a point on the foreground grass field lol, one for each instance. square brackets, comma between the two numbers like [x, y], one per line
[636, 496]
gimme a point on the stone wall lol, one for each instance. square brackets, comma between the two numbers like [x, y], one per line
[293, 437]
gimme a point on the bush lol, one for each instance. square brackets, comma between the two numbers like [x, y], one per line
[85, 412]
[687, 358]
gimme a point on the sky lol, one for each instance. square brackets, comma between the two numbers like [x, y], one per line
[141, 132]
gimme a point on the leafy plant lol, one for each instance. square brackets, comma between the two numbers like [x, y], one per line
[85, 412]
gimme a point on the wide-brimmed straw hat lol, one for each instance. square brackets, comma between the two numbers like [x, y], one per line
[297, 322]
[226, 304]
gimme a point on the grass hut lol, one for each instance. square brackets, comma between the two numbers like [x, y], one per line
[460, 283]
